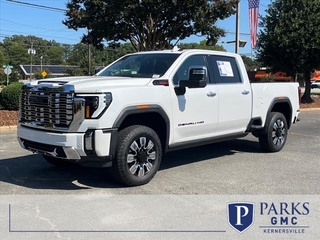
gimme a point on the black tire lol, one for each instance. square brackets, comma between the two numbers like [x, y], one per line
[138, 155]
[58, 162]
[276, 136]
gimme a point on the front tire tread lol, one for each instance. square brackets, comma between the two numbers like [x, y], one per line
[120, 166]
[266, 140]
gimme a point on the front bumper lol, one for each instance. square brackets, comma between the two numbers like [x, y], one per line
[97, 143]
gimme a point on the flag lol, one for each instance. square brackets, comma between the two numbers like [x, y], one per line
[253, 20]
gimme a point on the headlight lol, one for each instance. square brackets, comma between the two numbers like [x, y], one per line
[96, 104]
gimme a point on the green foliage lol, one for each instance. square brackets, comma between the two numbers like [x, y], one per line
[147, 24]
[17, 54]
[78, 56]
[267, 78]
[13, 77]
[3, 57]
[74, 71]
[3, 77]
[250, 63]
[54, 55]
[14, 51]
[201, 45]
[9, 96]
[290, 38]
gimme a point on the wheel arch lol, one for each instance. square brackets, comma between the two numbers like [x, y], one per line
[282, 105]
[152, 116]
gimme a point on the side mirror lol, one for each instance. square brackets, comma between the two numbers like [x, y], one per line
[197, 77]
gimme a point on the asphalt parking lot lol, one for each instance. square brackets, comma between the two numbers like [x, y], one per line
[233, 167]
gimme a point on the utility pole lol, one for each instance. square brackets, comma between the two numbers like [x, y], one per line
[89, 59]
[89, 52]
[237, 28]
[41, 63]
[31, 51]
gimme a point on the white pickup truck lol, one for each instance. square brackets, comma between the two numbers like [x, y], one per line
[148, 103]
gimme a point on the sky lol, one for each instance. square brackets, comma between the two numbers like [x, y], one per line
[21, 19]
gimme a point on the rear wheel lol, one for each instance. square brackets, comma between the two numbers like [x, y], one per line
[58, 162]
[138, 155]
[275, 137]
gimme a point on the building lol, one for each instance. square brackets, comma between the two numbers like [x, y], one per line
[263, 74]
[316, 75]
[52, 70]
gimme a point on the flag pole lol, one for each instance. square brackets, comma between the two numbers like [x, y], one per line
[237, 27]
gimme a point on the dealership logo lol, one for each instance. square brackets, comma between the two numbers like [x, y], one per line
[284, 217]
[240, 215]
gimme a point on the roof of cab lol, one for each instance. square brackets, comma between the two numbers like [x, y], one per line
[180, 51]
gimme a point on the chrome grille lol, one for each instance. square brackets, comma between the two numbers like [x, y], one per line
[46, 109]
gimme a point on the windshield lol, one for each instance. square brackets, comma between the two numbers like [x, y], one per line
[141, 65]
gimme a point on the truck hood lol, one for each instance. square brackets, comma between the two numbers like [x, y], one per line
[91, 83]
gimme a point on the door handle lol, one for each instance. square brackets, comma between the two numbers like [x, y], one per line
[211, 94]
[245, 92]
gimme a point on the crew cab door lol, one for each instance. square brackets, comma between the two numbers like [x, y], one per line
[195, 113]
[234, 92]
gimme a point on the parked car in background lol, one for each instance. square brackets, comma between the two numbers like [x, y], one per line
[315, 84]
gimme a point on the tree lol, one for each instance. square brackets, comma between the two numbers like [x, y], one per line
[290, 38]
[3, 58]
[74, 71]
[54, 55]
[78, 55]
[16, 50]
[3, 61]
[251, 64]
[201, 45]
[17, 54]
[147, 24]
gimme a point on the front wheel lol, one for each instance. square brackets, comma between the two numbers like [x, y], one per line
[138, 155]
[275, 137]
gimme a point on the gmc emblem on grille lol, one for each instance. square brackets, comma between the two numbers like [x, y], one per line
[38, 99]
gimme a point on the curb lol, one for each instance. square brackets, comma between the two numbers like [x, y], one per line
[8, 128]
[309, 109]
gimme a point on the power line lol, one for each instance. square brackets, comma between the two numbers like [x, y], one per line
[37, 6]
[39, 35]
[21, 24]
[6, 36]
[64, 10]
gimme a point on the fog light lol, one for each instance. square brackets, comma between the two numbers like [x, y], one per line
[88, 140]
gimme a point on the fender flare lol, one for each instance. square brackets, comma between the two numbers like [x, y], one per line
[152, 108]
[276, 101]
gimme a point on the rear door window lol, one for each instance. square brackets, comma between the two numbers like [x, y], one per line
[225, 69]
